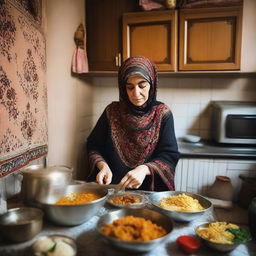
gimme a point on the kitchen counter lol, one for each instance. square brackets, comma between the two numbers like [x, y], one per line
[209, 149]
[90, 243]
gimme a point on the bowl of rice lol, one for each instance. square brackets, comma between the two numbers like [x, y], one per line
[180, 206]
[222, 236]
[135, 230]
[73, 204]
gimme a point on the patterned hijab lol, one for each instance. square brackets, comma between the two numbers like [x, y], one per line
[138, 65]
[135, 130]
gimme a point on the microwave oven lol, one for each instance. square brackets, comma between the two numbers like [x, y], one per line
[234, 122]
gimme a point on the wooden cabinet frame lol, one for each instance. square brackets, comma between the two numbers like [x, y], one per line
[231, 20]
[166, 21]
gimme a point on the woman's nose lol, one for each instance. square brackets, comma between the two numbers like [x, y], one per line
[136, 91]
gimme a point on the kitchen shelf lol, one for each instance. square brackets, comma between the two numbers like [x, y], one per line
[186, 74]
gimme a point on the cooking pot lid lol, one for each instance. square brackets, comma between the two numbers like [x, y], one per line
[39, 170]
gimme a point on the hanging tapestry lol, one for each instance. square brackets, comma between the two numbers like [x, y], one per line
[23, 92]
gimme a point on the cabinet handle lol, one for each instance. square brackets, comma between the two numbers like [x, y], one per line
[119, 59]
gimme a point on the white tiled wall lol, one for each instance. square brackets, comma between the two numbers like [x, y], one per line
[188, 98]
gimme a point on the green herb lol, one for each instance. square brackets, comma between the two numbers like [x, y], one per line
[241, 235]
[53, 248]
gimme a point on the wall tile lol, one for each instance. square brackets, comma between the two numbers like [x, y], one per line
[180, 109]
[188, 98]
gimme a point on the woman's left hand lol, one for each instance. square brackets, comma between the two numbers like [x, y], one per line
[135, 177]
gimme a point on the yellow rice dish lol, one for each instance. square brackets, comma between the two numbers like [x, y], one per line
[181, 203]
[131, 228]
[75, 199]
[216, 232]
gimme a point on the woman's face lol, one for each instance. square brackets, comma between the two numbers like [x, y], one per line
[137, 89]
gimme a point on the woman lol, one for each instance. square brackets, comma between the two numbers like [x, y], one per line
[133, 143]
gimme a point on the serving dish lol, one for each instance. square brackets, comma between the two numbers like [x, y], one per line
[69, 215]
[21, 224]
[127, 199]
[51, 245]
[155, 217]
[155, 199]
[217, 246]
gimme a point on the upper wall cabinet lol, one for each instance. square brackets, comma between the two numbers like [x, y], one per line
[152, 34]
[104, 29]
[210, 39]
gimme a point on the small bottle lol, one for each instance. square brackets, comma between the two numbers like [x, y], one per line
[221, 189]
[252, 217]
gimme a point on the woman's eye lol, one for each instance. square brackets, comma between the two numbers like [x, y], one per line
[142, 86]
[129, 88]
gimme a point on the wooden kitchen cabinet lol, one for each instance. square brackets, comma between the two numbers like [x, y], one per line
[210, 38]
[151, 34]
[103, 30]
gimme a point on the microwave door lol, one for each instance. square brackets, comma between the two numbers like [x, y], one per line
[241, 127]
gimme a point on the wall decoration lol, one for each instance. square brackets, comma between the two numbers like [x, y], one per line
[23, 92]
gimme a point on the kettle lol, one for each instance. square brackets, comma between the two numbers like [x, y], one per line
[38, 181]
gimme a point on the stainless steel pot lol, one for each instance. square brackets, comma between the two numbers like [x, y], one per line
[21, 224]
[38, 181]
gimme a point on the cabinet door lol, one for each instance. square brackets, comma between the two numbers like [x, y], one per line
[151, 34]
[104, 30]
[210, 38]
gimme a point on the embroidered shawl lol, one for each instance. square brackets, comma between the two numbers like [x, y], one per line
[127, 136]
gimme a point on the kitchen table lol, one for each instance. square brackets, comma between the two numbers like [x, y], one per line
[90, 242]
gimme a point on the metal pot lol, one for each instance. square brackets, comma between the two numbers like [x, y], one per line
[21, 224]
[38, 181]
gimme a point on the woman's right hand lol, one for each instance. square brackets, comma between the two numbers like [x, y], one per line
[105, 175]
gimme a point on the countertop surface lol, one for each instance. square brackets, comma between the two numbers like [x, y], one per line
[90, 243]
[209, 149]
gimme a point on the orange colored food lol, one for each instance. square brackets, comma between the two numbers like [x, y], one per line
[74, 199]
[132, 228]
[125, 199]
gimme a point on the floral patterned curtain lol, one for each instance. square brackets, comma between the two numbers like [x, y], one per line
[23, 92]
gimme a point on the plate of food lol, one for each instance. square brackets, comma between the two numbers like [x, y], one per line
[136, 230]
[180, 206]
[222, 236]
[54, 245]
[126, 199]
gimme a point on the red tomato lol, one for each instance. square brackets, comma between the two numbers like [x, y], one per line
[188, 244]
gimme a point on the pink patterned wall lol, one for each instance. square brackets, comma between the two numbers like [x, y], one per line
[23, 91]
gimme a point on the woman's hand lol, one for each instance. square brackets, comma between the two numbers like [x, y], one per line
[135, 177]
[105, 175]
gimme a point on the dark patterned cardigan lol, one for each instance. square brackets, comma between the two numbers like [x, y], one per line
[162, 160]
